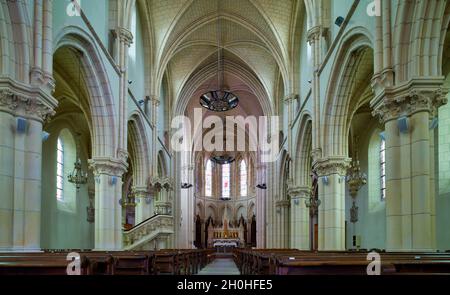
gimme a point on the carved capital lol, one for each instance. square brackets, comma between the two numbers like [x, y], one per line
[25, 105]
[408, 99]
[108, 166]
[282, 203]
[124, 36]
[299, 192]
[314, 34]
[335, 165]
[122, 155]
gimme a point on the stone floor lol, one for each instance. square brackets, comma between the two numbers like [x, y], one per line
[220, 266]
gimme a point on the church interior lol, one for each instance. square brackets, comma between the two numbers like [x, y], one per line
[117, 149]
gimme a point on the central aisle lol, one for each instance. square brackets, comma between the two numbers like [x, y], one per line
[220, 266]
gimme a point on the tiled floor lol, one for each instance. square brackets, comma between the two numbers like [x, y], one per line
[220, 266]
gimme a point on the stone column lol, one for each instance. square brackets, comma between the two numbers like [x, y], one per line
[108, 211]
[125, 39]
[299, 228]
[410, 199]
[314, 40]
[331, 172]
[260, 208]
[22, 113]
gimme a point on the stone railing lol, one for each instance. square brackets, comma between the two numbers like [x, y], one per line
[142, 234]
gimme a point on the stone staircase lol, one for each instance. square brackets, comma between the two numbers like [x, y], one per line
[145, 235]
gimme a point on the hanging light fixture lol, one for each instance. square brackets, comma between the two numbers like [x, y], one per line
[77, 177]
[129, 201]
[222, 159]
[313, 202]
[219, 100]
[355, 179]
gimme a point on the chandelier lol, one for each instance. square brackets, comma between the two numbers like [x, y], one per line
[313, 203]
[355, 179]
[129, 201]
[219, 100]
[77, 177]
[222, 159]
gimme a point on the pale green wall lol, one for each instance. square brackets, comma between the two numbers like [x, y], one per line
[63, 227]
[371, 225]
[137, 60]
[443, 166]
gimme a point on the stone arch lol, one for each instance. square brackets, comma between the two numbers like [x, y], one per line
[418, 24]
[303, 158]
[201, 210]
[211, 210]
[343, 90]
[251, 210]
[139, 149]
[101, 100]
[162, 167]
[15, 40]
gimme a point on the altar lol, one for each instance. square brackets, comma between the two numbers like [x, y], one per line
[225, 236]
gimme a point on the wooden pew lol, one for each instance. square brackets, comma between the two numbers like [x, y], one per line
[38, 264]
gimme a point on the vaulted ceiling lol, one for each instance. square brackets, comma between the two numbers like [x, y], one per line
[257, 37]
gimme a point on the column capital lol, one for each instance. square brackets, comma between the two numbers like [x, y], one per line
[29, 103]
[155, 100]
[332, 165]
[124, 36]
[282, 203]
[419, 95]
[108, 165]
[314, 34]
[140, 191]
[299, 192]
[289, 98]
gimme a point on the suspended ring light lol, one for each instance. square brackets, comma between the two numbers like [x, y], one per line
[219, 100]
[222, 160]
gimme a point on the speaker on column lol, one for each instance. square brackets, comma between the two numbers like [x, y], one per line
[21, 125]
[113, 180]
[45, 135]
[434, 123]
[325, 180]
[403, 124]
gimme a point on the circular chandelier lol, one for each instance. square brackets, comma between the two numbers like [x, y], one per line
[223, 159]
[219, 100]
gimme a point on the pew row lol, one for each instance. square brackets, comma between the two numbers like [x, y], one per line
[168, 261]
[296, 262]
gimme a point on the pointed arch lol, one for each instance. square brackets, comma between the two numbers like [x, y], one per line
[303, 158]
[101, 100]
[139, 150]
[15, 40]
[352, 68]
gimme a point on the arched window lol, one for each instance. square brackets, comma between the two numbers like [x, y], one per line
[226, 181]
[60, 170]
[208, 179]
[66, 156]
[383, 168]
[243, 178]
